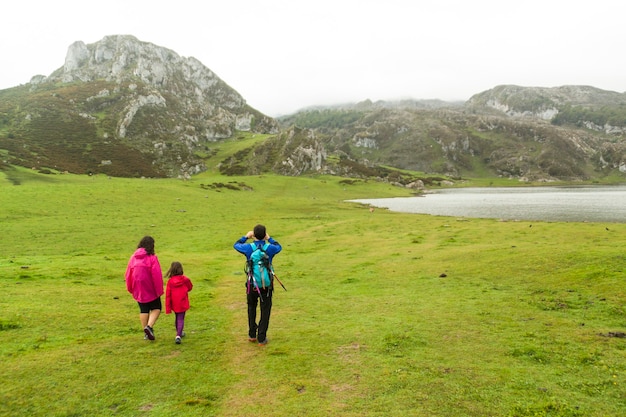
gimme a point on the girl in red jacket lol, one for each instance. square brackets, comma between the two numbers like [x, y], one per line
[176, 296]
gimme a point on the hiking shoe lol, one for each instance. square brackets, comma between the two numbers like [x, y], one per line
[149, 332]
[263, 343]
[252, 339]
[178, 340]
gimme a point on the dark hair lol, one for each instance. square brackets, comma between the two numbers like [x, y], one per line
[147, 242]
[259, 232]
[175, 269]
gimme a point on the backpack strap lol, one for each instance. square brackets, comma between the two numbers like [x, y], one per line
[263, 265]
[262, 247]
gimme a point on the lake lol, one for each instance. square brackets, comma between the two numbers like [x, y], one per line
[573, 203]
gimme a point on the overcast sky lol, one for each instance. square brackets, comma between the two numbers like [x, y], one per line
[284, 55]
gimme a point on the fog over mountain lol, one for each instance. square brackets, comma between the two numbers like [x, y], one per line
[284, 56]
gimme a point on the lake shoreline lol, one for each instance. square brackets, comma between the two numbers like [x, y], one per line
[596, 203]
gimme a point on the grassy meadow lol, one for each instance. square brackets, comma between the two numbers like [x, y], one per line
[385, 314]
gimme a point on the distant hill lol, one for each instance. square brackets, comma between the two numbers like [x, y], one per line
[526, 133]
[580, 106]
[129, 108]
[122, 107]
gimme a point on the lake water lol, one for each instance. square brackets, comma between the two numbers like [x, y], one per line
[576, 204]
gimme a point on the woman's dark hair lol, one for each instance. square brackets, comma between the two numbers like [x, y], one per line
[175, 269]
[259, 232]
[147, 242]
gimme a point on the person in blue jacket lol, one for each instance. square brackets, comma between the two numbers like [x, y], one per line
[258, 332]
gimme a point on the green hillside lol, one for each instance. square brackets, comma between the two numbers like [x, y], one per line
[384, 314]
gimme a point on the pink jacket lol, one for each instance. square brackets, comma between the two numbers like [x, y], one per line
[176, 294]
[144, 279]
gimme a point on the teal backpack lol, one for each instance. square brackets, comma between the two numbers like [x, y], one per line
[259, 269]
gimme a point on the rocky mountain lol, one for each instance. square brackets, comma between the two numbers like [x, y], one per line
[582, 105]
[123, 107]
[530, 134]
[129, 108]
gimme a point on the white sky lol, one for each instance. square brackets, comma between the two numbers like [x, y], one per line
[283, 55]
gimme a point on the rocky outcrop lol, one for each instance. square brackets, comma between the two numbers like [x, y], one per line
[307, 155]
[135, 106]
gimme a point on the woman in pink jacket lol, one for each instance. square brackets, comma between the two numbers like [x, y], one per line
[144, 280]
[177, 297]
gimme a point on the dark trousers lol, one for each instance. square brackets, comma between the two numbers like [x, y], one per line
[259, 331]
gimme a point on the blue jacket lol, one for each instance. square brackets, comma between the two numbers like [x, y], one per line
[242, 246]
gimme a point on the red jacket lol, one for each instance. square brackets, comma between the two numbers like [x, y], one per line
[176, 294]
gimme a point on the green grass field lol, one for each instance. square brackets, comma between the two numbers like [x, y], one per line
[520, 325]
